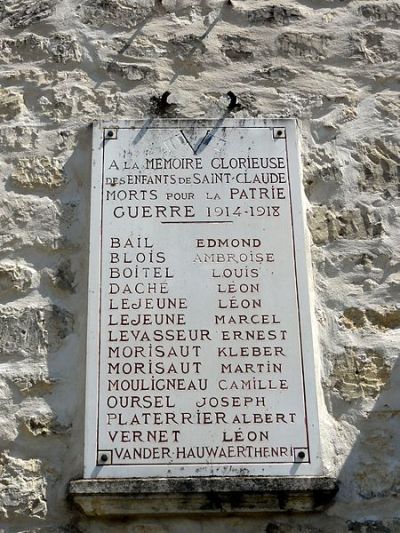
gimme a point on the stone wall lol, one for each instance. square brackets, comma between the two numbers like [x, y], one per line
[330, 63]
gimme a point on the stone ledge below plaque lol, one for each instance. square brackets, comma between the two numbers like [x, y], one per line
[188, 496]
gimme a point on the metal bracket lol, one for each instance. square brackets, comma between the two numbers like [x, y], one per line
[233, 104]
[163, 100]
[161, 104]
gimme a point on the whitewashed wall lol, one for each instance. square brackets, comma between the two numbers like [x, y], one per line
[333, 65]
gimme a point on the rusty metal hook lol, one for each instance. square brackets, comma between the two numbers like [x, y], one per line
[164, 100]
[160, 104]
[233, 100]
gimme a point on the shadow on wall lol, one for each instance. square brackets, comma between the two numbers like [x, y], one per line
[187, 53]
[55, 397]
[365, 401]
[43, 297]
[68, 366]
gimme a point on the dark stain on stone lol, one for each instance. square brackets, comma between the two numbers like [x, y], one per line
[213, 502]
[322, 497]
[64, 277]
[272, 528]
[283, 499]
[369, 526]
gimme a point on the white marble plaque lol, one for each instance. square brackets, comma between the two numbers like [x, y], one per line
[200, 350]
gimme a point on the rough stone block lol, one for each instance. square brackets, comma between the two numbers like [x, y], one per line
[22, 13]
[142, 46]
[28, 47]
[381, 11]
[307, 45]
[8, 421]
[360, 374]
[63, 48]
[370, 46]
[381, 166]
[275, 14]
[11, 103]
[36, 417]
[318, 225]
[383, 317]
[130, 71]
[18, 138]
[31, 379]
[121, 13]
[275, 73]
[23, 488]
[327, 225]
[354, 318]
[38, 172]
[237, 48]
[15, 277]
[29, 221]
[186, 46]
[322, 175]
[388, 108]
[184, 7]
[32, 331]
[8, 424]
[59, 47]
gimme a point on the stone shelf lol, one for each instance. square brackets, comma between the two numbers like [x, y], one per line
[211, 495]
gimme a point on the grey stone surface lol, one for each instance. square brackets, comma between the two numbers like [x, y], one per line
[132, 497]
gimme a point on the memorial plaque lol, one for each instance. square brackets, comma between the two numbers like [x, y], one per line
[200, 349]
